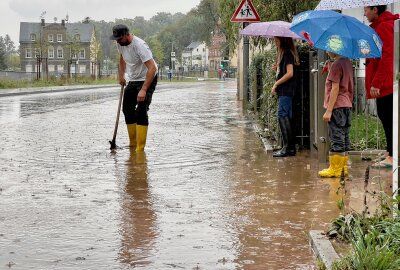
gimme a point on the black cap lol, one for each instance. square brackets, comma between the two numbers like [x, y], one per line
[119, 31]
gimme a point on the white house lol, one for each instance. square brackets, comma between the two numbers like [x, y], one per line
[195, 56]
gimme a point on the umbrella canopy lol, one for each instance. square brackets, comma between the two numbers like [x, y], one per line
[269, 30]
[345, 4]
[337, 33]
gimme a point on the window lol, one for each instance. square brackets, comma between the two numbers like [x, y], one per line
[73, 54]
[33, 37]
[82, 54]
[60, 68]
[51, 68]
[82, 69]
[59, 37]
[50, 52]
[28, 53]
[37, 52]
[60, 52]
[28, 68]
[50, 37]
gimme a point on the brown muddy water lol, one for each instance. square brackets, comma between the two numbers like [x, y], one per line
[205, 195]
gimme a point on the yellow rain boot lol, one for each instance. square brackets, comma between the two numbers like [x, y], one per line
[324, 171]
[132, 135]
[141, 135]
[336, 164]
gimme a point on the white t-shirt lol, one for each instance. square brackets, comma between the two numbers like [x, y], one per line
[134, 55]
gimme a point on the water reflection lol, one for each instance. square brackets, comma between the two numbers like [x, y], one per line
[14, 107]
[138, 229]
[336, 191]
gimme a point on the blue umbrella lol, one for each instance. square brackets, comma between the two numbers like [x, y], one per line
[341, 34]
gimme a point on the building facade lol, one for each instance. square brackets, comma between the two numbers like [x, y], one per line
[195, 56]
[56, 48]
[217, 49]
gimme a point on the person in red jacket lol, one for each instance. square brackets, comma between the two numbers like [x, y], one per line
[379, 74]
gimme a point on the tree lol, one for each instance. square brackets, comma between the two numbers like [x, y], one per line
[208, 12]
[95, 49]
[9, 49]
[3, 64]
[166, 39]
[269, 10]
[95, 54]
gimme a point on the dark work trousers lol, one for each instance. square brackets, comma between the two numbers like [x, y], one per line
[136, 112]
[339, 129]
[384, 107]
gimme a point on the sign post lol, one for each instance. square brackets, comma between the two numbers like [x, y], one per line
[245, 13]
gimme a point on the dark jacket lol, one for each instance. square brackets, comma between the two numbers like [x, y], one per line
[379, 71]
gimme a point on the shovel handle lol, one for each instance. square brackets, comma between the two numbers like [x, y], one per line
[113, 145]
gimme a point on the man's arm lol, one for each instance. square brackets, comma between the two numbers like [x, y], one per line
[151, 72]
[121, 71]
[331, 103]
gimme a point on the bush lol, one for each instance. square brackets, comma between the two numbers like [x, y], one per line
[266, 103]
[367, 133]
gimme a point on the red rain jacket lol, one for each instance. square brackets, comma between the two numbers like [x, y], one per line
[379, 71]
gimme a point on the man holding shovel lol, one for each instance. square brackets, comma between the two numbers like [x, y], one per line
[138, 72]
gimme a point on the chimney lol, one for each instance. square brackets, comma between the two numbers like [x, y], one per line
[63, 22]
[42, 22]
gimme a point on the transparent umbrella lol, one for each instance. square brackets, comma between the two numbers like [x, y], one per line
[269, 30]
[346, 4]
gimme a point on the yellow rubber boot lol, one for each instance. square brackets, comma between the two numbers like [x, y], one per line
[132, 134]
[324, 171]
[141, 136]
[336, 164]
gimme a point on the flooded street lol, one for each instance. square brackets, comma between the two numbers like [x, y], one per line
[205, 195]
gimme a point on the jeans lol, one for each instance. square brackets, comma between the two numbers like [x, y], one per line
[285, 106]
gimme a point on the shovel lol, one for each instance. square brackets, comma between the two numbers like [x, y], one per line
[113, 145]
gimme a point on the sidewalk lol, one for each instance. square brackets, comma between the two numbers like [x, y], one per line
[50, 89]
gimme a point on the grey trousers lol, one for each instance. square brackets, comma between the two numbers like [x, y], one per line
[339, 130]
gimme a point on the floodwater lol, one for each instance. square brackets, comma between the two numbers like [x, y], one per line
[205, 195]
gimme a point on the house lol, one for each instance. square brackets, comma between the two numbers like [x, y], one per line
[56, 48]
[217, 49]
[195, 56]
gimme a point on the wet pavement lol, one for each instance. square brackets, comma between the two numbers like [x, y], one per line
[205, 195]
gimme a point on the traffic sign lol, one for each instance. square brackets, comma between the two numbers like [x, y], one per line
[245, 13]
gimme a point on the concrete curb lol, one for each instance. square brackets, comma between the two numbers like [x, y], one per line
[323, 248]
[267, 144]
[51, 89]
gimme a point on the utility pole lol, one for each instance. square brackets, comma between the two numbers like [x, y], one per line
[172, 56]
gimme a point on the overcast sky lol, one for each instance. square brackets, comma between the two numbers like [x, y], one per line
[12, 12]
